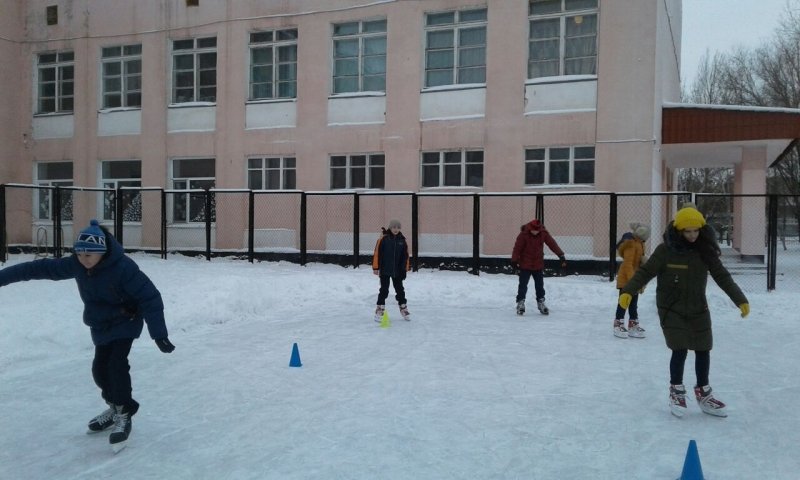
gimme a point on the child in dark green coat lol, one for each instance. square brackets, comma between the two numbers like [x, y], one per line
[682, 264]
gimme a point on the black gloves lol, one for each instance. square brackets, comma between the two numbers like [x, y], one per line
[563, 261]
[165, 345]
[515, 266]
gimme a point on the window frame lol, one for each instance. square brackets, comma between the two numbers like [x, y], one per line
[129, 199]
[444, 167]
[563, 15]
[62, 80]
[275, 45]
[362, 35]
[199, 53]
[548, 162]
[134, 54]
[45, 205]
[370, 171]
[457, 26]
[287, 174]
[189, 199]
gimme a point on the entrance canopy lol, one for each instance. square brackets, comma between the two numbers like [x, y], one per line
[701, 136]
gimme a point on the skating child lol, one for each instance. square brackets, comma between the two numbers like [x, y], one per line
[528, 258]
[117, 299]
[631, 249]
[682, 264]
[391, 262]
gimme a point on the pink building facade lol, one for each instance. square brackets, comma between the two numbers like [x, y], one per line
[319, 95]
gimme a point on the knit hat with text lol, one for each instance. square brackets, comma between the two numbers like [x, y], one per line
[688, 217]
[90, 240]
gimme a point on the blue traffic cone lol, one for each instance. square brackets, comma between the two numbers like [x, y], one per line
[295, 361]
[691, 466]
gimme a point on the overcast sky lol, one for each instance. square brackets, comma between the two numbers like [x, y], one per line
[720, 25]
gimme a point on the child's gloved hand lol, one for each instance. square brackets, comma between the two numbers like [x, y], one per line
[165, 345]
[625, 300]
[745, 309]
[376, 272]
[563, 261]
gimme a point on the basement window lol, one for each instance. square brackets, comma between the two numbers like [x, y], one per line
[192, 3]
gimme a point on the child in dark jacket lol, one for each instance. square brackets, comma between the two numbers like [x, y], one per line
[682, 264]
[390, 261]
[528, 258]
[117, 299]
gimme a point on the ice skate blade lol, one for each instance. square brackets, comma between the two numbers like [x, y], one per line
[620, 334]
[677, 411]
[118, 447]
[715, 412]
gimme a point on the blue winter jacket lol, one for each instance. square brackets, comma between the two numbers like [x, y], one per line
[117, 296]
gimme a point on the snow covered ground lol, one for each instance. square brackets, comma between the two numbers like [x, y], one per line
[466, 390]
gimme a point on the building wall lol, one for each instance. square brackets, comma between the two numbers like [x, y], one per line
[618, 110]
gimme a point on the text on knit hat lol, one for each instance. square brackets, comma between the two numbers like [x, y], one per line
[91, 239]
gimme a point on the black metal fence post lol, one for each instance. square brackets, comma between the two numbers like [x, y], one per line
[303, 228]
[207, 209]
[356, 229]
[772, 241]
[251, 217]
[118, 234]
[612, 237]
[3, 239]
[415, 231]
[57, 222]
[163, 224]
[476, 234]
[539, 207]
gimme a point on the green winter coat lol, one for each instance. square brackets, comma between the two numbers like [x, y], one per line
[681, 289]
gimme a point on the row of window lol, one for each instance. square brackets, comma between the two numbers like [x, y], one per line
[464, 168]
[562, 41]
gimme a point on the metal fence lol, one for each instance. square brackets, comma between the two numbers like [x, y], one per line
[463, 231]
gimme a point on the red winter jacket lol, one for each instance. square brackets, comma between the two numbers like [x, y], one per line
[529, 248]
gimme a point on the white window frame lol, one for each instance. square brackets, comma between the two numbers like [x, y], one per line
[445, 162]
[189, 199]
[121, 76]
[201, 51]
[568, 11]
[43, 199]
[543, 156]
[462, 22]
[55, 82]
[281, 68]
[132, 199]
[367, 34]
[266, 168]
[373, 170]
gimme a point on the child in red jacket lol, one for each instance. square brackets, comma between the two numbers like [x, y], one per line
[528, 258]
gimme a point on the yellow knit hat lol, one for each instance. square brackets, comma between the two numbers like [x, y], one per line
[688, 217]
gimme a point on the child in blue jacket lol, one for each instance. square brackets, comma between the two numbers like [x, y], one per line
[117, 299]
[390, 261]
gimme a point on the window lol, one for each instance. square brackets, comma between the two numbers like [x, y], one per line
[359, 56]
[462, 168]
[455, 47]
[273, 64]
[358, 171]
[122, 173]
[271, 173]
[194, 70]
[56, 77]
[55, 174]
[559, 165]
[51, 13]
[192, 174]
[122, 76]
[562, 38]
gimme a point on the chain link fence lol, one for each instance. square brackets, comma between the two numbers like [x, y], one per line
[454, 230]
